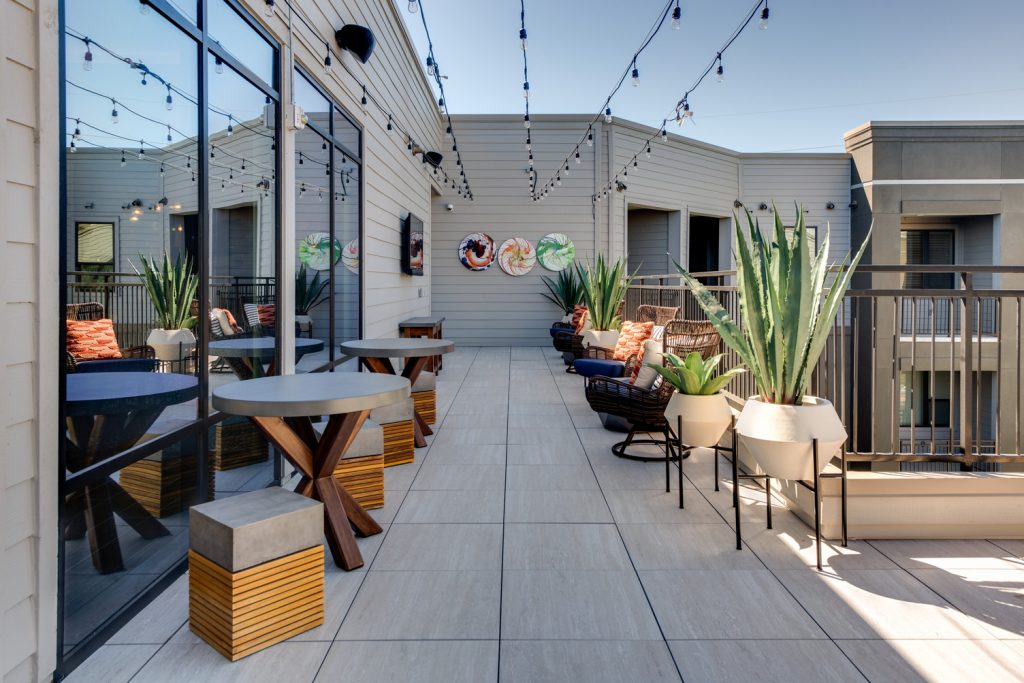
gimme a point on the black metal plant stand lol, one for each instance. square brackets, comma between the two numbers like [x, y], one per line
[737, 475]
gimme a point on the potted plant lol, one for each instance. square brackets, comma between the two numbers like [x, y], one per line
[604, 289]
[566, 292]
[787, 312]
[172, 289]
[308, 295]
[698, 398]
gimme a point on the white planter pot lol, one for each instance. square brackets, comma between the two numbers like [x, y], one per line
[779, 437]
[705, 418]
[305, 323]
[171, 345]
[604, 339]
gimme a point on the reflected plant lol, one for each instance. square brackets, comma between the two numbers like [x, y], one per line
[172, 290]
[308, 293]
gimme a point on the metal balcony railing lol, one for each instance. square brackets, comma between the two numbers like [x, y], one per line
[909, 381]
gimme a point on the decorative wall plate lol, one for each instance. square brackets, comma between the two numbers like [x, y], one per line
[556, 251]
[315, 251]
[476, 251]
[516, 256]
[350, 256]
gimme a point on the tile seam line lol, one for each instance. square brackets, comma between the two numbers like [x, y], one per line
[366, 573]
[769, 495]
[622, 540]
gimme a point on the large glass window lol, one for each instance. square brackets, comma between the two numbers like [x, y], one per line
[135, 165]
[327, 224]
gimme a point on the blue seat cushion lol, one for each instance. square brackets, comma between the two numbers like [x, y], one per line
[593, 367]
[559, 327]
[116, 365]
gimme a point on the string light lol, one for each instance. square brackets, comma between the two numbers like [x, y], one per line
[218, 64]
[608, 115]
[763, 24]
[677, 14]
[647, 151]
[168, 101]
[87, 57]
[413, 6]
[636, 76]
[113, 111]
[268, 11]
[168, 133]
[327, 58]
[590, 140]
[720, 72]
[364, 102]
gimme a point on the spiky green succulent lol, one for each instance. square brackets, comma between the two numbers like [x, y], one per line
[172, 290]
[785, 307]
[605, 284]
[565, 291]
[695, 375]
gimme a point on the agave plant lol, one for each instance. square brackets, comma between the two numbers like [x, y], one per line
[308, 293]
[172, 289]
[605, 285]
[695, 376]
[566, 292]
[786, 313]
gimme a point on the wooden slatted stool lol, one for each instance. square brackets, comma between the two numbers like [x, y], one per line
[424, 396]
[256, 570]
[361, 470]
[397, 422]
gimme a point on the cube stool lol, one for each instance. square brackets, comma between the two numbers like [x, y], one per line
[237, 442]
[361, 470]
[256, 570]
[396, 421]
[424, 396]
[166, 482]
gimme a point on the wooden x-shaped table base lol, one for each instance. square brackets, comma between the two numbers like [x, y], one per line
[413, 367]
[316, 459]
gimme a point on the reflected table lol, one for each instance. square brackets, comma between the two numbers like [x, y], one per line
[282, 407]
[107, 413]
[247, 355]
[376, 355]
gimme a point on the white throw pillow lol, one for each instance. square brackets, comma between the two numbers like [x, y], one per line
[647, 376]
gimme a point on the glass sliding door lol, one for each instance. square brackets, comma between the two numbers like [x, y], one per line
[170, 137]
[328, 223]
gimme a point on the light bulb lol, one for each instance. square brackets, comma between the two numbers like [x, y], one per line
[558, 180]
[578, 160]
[113, 114]
[636, 77]
[87, 57]
[590, 141]
[720, 74]
[526, 90]
[72, 148]
[522, 37]
[231, 128]
[364, 101]
[448, 133]
[526, 121]
[647, 152]
[413, 6]
[764, 18]
[123, 160]
[687, 114]
[608, 115]
[218, 65]
[566, 171]
[430, 65]
[268, 11]
[168, 101]
[664, 134]
[327, 62]
[677, 14]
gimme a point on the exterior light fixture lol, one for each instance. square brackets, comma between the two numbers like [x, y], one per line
[358, 40]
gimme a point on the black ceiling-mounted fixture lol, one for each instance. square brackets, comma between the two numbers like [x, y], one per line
[433, 158]
[830, 205]
[357, 39]
[737, 204]
[762, 206]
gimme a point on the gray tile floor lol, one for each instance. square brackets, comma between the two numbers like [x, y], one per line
[518, 548]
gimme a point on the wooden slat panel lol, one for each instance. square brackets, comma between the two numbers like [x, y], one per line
[398, 443]
[426, 405]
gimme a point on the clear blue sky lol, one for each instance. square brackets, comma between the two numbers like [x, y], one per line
[821, 68]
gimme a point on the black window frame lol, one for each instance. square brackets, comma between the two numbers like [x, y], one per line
[114, 225]
[204, 45]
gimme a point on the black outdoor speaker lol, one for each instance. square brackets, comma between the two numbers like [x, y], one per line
[356, 39]
[434, 158]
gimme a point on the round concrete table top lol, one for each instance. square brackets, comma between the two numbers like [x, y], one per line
[260, 347]
[113, 393]
[322, 393]
[397, 348]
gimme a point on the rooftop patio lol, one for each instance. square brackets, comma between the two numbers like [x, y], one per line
[518, 547]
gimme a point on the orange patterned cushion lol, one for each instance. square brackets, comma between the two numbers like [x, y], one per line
[92, 339]
[631, 339]
[578, 312]
[581, 325]
[268, 315]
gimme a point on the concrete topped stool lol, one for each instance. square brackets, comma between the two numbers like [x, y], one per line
[361, 470]
[397, 422]
[256, 570]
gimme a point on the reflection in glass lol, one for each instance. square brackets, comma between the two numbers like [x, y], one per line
[346, 230]
[244, 319]
[131, 158]
[236, 36]
[314, 251]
